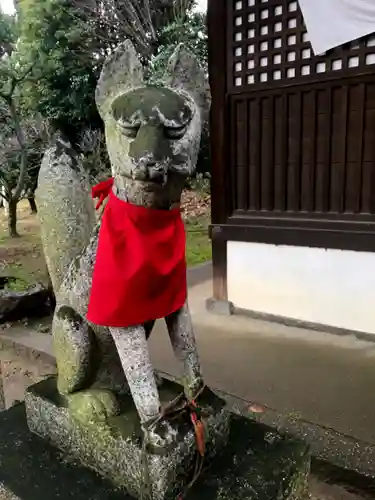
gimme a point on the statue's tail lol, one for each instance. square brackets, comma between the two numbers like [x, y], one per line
[65, 208]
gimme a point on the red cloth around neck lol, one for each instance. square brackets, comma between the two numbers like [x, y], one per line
[140, 268]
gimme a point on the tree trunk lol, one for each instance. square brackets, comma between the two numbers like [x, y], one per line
[12, 218]
[32, 204]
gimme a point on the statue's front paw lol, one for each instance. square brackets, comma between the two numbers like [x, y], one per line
[93, 406]
[159, 437]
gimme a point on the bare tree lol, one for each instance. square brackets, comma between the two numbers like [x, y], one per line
[94, 155]
[18, 146]
[13, 196]
[13, 73]
[138, 20]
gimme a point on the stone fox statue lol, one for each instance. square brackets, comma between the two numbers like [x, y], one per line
[153, 137]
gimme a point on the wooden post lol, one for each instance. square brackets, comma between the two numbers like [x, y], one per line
[217, 46]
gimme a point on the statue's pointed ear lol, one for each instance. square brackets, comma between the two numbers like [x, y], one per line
[121, 71]
[184, 72]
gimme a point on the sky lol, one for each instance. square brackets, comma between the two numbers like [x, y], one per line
[202, 4]
[7, 5]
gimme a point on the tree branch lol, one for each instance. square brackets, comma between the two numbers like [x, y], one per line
[16, 80]
[126, 18]
[146, 15]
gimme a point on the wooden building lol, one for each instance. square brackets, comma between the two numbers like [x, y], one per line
[293, 167]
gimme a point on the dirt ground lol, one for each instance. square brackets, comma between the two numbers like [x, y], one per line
[19, 373]
[22, 257]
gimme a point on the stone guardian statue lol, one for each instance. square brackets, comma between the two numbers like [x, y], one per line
[101, 326]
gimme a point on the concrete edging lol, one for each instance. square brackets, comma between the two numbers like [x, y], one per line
[327, 445]
[305, 325]
[226, 308]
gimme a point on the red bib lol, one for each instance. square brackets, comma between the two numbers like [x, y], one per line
[140, 268]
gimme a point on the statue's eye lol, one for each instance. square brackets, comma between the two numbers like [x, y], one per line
[175, 132]
[128, 129]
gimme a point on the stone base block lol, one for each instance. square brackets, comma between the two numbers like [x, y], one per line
[114, 448]
[257, 464]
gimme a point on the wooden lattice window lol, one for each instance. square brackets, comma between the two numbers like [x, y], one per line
[268, 44]
[292, 134]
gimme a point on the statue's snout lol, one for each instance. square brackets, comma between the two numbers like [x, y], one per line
[149, 169]
[157, 172]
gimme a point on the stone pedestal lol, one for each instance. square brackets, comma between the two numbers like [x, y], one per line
[114, 448]
[257, 464]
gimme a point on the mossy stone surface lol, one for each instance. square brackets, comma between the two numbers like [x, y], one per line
[112, 445]
[65, 210]
[257, 464]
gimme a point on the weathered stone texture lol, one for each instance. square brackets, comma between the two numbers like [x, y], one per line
[114, 447]
[153, 137]
[257, 464]
[65, 209]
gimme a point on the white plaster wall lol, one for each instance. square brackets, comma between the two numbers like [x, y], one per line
[331, 287]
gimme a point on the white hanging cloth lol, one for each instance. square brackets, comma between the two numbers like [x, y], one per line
[331, 23]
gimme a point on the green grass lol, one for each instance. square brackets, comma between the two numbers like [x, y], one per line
[22, 258]
[198, 244]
